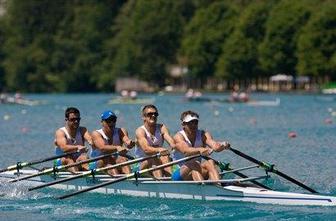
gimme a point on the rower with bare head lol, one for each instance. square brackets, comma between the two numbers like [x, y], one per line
[150, 138]
[111, 139]
[189, 141]
[72, 137]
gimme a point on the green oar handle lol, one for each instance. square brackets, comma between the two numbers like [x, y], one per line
[129, 176]
[20, 165]
[227, 167]
[270, 168]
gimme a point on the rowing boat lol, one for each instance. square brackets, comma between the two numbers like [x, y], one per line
[120, 100]
[276, 102]
[20, 101]
[230, 190]
[270, 103]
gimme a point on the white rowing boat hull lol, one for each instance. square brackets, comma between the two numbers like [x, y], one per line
[146, 187]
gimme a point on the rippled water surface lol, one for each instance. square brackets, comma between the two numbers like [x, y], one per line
[27, 133]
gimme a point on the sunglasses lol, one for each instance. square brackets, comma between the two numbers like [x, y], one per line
[74, 119]
[111, 120]
[150, 114]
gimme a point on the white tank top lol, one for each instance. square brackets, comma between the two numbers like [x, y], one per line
[198, 143]
[77, 140]
[155, 140]
[95, 152]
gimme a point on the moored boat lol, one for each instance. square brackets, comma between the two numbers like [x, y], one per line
[121, 100]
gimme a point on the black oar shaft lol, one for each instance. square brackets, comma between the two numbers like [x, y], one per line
[129, 176]
[285, 176]
[295, 181]
[240, 174]
[238, 169]
[25, 164]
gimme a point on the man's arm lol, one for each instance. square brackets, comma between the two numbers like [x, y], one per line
[99, 143]
[125, 139]
[183, 147]
[167, 137]
[143, 144]
[86, 135]
[216, 146]
[61, 141]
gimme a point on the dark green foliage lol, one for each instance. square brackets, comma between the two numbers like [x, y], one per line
[286, 19]
[205, 35]
[150, 33]
[239, 58]
[317, 43]
[85, 45]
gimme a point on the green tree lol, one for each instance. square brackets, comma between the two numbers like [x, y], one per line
[317, 43]
[79, 44]
[204, 35]
[148, 37]
[29, 28]
[278, 50]
[56, 45]
[239, 58]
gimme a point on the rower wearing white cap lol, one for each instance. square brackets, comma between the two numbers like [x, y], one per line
[150, 137]
[189, 141]
[110, 139]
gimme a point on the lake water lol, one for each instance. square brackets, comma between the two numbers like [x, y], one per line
[27, 133]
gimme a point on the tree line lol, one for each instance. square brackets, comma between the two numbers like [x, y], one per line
[84, 46]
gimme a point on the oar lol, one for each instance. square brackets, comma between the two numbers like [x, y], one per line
[131, 175]
[92, 172]
[20, 165]
[58, 168]
[239, 169]
[270, 168]
[226, 166]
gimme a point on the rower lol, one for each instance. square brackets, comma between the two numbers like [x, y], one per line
[189, 141]
[150, 138]
[71, 138]
[110, 139]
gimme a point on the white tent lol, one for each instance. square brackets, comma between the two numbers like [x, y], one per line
[281, 77]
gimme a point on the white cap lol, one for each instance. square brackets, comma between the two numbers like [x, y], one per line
[189, 118]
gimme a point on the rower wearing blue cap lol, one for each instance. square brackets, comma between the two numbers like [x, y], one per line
[110, 139]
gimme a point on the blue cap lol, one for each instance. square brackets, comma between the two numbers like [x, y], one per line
[107, 114]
